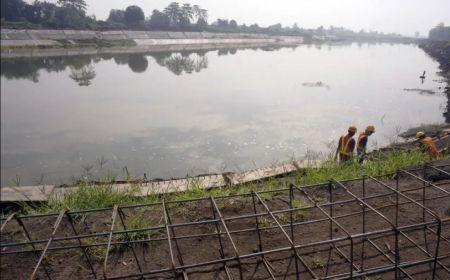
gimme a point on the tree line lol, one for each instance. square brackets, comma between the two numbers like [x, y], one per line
[63, 14]
[71, 14]
[173, 17]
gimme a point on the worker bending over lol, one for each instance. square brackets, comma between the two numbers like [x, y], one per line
[427, 145]
[361, 144]
[346, 145]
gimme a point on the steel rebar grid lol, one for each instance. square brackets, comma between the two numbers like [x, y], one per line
[211, 221]
[263, 253]
[425, 209]
[393, 225]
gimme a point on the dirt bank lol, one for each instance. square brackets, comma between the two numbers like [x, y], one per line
[441, 52]
[196, 235]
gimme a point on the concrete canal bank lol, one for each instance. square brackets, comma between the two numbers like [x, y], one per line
[12, 38]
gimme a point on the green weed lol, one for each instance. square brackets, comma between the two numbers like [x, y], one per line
[380, 163]
[87, 197]
[264, 222]
[136, 221]
[318, 263]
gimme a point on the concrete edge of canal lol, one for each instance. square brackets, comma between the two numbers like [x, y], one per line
[16, 38]
[43, 193]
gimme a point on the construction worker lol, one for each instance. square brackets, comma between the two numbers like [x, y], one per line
[427, 145]
[346, 145]
[361, 144]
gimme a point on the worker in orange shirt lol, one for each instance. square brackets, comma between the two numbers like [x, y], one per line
[346, 145]
[427, 145]
[361, 144]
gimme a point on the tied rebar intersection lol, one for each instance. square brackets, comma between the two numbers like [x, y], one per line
[349, 229]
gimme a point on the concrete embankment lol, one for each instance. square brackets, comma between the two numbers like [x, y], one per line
[11, 38]
[143, 188]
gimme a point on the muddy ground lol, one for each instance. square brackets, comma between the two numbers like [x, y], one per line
[196, 243]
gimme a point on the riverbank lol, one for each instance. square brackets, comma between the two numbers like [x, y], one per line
[42, 39]
[440, 51]
[382, 161]
[86, 195]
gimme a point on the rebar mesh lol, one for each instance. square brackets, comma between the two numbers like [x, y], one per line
[391, 228]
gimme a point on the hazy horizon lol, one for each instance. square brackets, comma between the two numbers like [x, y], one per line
[398, 16]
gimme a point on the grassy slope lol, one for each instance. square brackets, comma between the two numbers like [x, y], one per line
[104, 196]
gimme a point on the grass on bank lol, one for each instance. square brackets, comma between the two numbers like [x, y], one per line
[102, 196]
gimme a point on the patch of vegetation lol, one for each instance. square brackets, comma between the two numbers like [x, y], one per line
[96, 252]
[300, 203]
[135, 222]
[318, 263]
[87, 197]
[380, 164]
[264, 222]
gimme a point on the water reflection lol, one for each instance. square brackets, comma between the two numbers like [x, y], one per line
[179, 63]
[138, 63]
[258, 117]
[82, 69]
[82, 76]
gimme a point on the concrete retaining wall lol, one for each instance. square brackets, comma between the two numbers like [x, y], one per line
[14, 37]
[51, 192]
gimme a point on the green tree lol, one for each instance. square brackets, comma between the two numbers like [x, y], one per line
[173, 12]
[117, 16]
[134, 16]
[32, 13]
[199, 13]
[69, 17]
[223, 23]
[196, 11]
[79, 5]
[233, 24]
[276, 28]
[12, 10]
[187, 15]
[159, 20]
[201, 24]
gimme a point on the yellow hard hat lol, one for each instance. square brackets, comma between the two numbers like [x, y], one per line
[352, 128]
[370, 128]
[420, 134]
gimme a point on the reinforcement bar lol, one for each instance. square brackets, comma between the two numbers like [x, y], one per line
[347, 244]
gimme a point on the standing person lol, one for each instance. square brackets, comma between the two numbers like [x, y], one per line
[427, 145]
[361, 144]
[346, 145]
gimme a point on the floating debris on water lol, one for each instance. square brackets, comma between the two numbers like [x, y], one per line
[420, 91]
[315, 84]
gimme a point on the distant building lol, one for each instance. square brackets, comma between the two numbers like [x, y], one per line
[440, 33]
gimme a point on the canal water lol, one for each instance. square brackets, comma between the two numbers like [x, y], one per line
[173, 114]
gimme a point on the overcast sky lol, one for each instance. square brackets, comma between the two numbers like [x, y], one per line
[400, 16]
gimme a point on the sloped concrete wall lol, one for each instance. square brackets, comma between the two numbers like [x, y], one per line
[13, 37]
